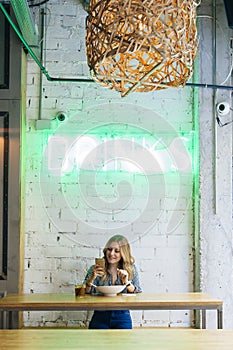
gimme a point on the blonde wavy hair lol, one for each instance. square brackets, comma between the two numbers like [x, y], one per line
[127, 260]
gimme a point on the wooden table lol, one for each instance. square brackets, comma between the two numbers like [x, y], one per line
[135, 339]
[140, 301]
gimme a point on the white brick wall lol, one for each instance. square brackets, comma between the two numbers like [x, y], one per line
[69, 218]
[216, 172]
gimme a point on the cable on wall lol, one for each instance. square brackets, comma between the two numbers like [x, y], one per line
[34, 4]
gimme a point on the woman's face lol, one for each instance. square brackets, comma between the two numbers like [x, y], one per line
[113, 253]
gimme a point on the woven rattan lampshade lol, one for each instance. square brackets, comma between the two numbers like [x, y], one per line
[141, 45]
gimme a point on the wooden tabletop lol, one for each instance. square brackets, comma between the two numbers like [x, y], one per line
[136, 339]
[140, 301]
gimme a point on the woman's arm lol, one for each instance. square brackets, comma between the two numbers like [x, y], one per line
[132, 286]
[93, 272]
[135, 281]
[90, 277]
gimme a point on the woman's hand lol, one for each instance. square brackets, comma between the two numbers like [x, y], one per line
[98, 271]
[123, 274]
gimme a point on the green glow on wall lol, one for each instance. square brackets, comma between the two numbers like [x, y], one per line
[117, 174]
[122, 150]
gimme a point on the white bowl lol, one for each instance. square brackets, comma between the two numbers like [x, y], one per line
[110, 290]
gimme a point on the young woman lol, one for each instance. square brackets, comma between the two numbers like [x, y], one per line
[119, 269]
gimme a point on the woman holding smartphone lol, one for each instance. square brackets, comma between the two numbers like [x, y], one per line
[119, 268]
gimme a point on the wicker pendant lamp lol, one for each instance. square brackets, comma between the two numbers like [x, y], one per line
[141, 45]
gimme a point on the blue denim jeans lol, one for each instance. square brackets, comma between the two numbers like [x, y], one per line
[118, 319]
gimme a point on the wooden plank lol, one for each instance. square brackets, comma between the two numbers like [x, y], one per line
[136, 339]
[141, 301]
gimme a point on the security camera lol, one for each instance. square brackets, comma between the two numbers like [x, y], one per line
[223, 108]
[61, 117]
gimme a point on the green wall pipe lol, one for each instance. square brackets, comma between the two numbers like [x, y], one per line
[34, 57]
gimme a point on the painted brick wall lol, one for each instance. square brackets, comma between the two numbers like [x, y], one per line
[216, 161]
[70, 215]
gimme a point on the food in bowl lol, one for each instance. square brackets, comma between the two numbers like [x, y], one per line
[110, 290]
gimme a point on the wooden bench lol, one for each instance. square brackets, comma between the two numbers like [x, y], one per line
[161, 339]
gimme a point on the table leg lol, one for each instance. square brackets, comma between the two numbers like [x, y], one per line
[4, 320]
[1, 320]
[203, 319]
[10, 319]
[3, 313]
[220, 318]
